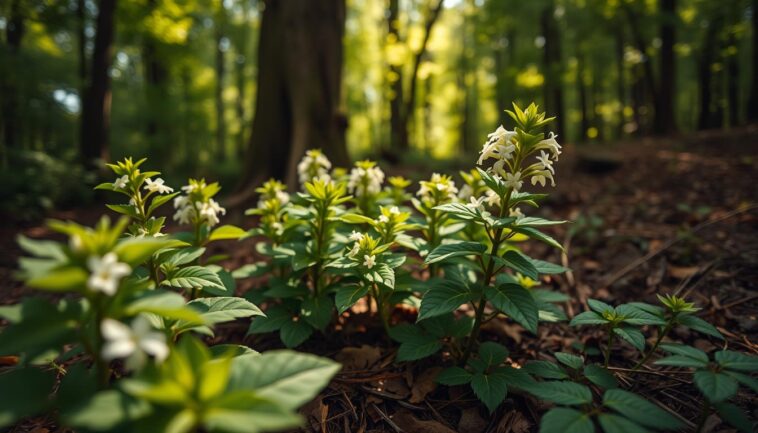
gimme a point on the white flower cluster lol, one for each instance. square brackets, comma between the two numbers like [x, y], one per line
[314, 165]
[106, 273]
[369, 260]
[189, 211]
[133, 343]
[440, 186]
[365, 179]
[499, 146]
[394, 210]
[158, 186]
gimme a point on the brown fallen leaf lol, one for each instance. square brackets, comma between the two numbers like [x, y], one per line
[513, 422]
[410, 424]
[424, 384]
[471, 421]
[682, 272]
[358, 358]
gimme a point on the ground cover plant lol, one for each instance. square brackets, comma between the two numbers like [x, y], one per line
[127, 342]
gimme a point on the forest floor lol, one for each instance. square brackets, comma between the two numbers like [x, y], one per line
[649, 217]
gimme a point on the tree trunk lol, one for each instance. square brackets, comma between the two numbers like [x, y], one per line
[647, 67]
[96, 112]
[552, 63]
[620, 79]
[219, 92]
[395, 79]
[582, 91]
[298, 102]
[752, 108]
[157, 97]
[665, 121]
[14, 33]
[733, 78]
[410, 103]
[705, 74]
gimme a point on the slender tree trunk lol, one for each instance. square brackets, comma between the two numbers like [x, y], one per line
[14, 33]
[156, 91]
[96, 112]
[395, 79]
[219, 94]
[300, 56]
[582, 91]
[500, 82]
[705, 74]
[620, 79]
[647, 67]
[665, 120]
[552, 63]
[410, 103]
[240, 107]
[752, 107]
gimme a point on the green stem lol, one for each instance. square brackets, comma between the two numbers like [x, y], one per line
[661, 336]
[381, 307]
[608, 348]
[704, 410]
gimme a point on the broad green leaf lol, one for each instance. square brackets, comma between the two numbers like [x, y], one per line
[681, 361]
[514, 377]
[224, 309]
[42, 248]
[690, 352]
[459, 210]
[294, 332]
[537, 222]
[447, 251]
[231, 350]
[516, 302]
[251, 270]
[226, 232]
[490, 389]
[599, 307]
[617, 424]
[637, 316]
[547, 268]
[193, 277]
[245, 412]
[454, 376]
[566, 393]
[62, 279]
[588, 318]
[274, 319]
[444, 297]
[734, 416]
[570, 360]
[180, 256]
[286, 377]
[732, 360]
[538, 235]
[24, 392]
[632, 335]
[317, 311]
[135, 251]
[640, 410]
[492, 353]
[565, 420]
[699, 325]
[159, 201]
[382, 274]
[163, 303]
[744, 379]
[716, 387]
[600, 376]
[545, 369]
[519, 263]
[346, 296]
[415, 342]
[353, 218]
[106, 411]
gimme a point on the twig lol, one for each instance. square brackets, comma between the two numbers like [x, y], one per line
[387, 419]
[666, 245]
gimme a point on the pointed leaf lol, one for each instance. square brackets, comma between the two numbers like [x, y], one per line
[517, 302]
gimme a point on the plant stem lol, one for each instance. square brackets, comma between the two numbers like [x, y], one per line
[608, 348]
[704, 409]
[661, 336]
[380, 307]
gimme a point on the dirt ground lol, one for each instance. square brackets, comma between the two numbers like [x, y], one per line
[648, 216]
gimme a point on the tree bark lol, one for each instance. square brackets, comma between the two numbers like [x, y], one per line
[97, 102]
[752, 108]
[665, 121]
[396, 78]
[14, 33]
[553, 64]
[620, 79]
[219, 91]
[647, 67]
[705, 75]
[298, 102]
[582, 91]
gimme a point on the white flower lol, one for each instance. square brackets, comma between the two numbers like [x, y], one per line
[107, 272]
[190, 188]
[365, 180]
[121, 182]
[394, 210]
[545, 161]
[314, 165]
[383, 219]
[355, 236]
[184, 215]
[158, 186]
[516, 212]
[476, 203]
[550, 144]
[133, 343]
[498, 145]
[541, 176]
[465, 192]
[513, 180]
[369, 261]
[210, 211]
[492, 198]
[283, 197]
[356, 249]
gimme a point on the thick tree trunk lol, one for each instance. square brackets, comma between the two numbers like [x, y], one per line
[752, 107]
[665, 121]
[96, 112]
[298, 103]
[553, 64]
[648, 75]
[705, 75]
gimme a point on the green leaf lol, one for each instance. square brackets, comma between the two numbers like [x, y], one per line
[446, 251]
[680, 361]
[492, 353]
[245, 412]
[42, 248]
[536, 222]
[715, 387]
[600, 376]
[286, 377]
[515, 377]
[566, 393]
[163, 303]
[459, 210]
[317, 311]
[24, 392]
[565, 420]
[415, 342]
[181, 256]
[136, 251]
[744, 379]
[106, 411]
[735, 417]
[636, 316]
[353, 218]
[294, 332]
[124, 209]
[736, 360]
[570, 360]
[599, 307]
[274, 319]
[547, 268]
[454, 376]
[346, 296]
[699, 325]
[516, 302]
[640, 410]
[382, 275]
[159, 201]
[538, 235]
[490, 389]
[617, 424]
[687, 356]
[60, 280]
[224, 309]
[632, 335]
[226, 232]
[588, 318]
[193, 277]
[519, 263]
[545, 369]
[444, 297]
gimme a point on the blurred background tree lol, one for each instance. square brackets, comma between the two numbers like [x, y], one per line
[238, 89]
